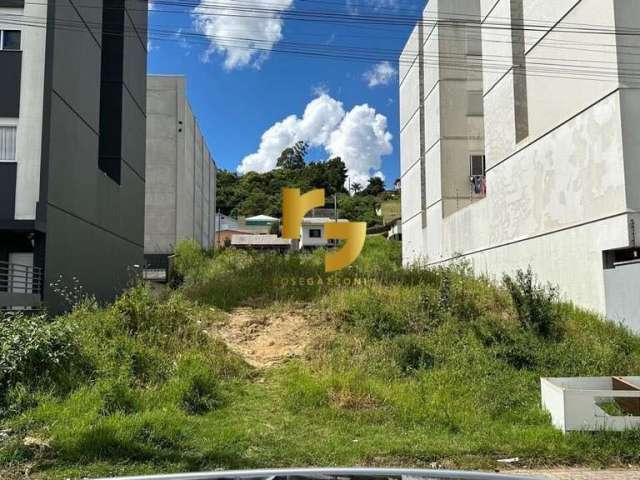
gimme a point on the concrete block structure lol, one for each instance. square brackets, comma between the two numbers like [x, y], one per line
[592, 403]
[518, 146]
[72, 152]
[181, 174]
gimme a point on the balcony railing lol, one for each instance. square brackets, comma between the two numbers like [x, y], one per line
[20, 286]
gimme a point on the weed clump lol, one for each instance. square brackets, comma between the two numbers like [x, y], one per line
[535, 304]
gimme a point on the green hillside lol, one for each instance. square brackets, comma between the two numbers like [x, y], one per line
[260, 360]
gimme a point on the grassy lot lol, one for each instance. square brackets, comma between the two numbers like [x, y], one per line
[411, 367]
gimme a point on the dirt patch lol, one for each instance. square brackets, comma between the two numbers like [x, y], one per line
[265, 338]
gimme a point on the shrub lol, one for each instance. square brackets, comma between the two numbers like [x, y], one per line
[411, 353]
[33, 349]
[190, 260]
[118, 396]
[197, 387]
[534, 304]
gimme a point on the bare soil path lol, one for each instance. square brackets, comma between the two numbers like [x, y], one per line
[266, 338]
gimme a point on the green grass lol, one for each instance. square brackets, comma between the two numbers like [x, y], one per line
[419, 366]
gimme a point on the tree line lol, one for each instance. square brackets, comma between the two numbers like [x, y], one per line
[261, 193]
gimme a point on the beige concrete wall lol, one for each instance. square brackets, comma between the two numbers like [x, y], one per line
[180, 171]
[565, 192]
[557, 199]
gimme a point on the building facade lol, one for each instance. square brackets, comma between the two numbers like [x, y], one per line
[518, 146]
[312, 232]
[72, 154]
[181, 174]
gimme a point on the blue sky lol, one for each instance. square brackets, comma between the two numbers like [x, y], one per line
[239, 93]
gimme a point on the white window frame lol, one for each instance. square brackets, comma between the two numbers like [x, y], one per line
[315, 229]
[2, 30]
[10, 122]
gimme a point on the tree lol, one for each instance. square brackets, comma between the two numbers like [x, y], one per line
[359, 208]
[336, 176]
[375, 187]
[329, 175]
[356, 187]
[227, 190]
[293, 158]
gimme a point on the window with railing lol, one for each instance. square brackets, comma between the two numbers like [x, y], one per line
[7, 143]
[478, 175]
[16, 278]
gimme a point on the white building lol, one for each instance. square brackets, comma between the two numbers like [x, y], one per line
[540, 114]
[312, 232]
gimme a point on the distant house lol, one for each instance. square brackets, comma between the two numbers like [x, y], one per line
[224, 237]
[312, 232]
[323, 212]
[260, 242]
[261, 221]
[395, 232]
[225, 222]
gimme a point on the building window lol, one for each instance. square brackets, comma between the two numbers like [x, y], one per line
[111, 90]
[10, 39]
[7, 144]
[315, 233]
[475, 104]
[473, 40]
[477, 174]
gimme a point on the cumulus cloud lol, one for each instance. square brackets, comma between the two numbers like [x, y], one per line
[381, 74]
[361, 141]
[359, 137]
[321, 117]
[243, 37]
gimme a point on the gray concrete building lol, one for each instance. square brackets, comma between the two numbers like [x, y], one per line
[72, 152]
[181, 173]
[518, 146]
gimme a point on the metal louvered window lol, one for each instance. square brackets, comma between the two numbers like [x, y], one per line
[7, 143]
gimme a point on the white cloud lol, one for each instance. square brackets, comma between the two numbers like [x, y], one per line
[321, 117]
[381, 74]
[359, 137]
[361, 141]
[243, 37]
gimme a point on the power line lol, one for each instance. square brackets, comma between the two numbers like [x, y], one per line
[351, 53]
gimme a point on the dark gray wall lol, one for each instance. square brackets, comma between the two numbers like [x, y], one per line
[12, 3]
[95, 225]
[8, 190]
[11, 68]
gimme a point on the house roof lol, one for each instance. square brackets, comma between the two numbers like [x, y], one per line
[262, 218]
[321, 221]
[235, 230]
[262, 240]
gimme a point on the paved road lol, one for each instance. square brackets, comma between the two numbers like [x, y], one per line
[582, 474]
